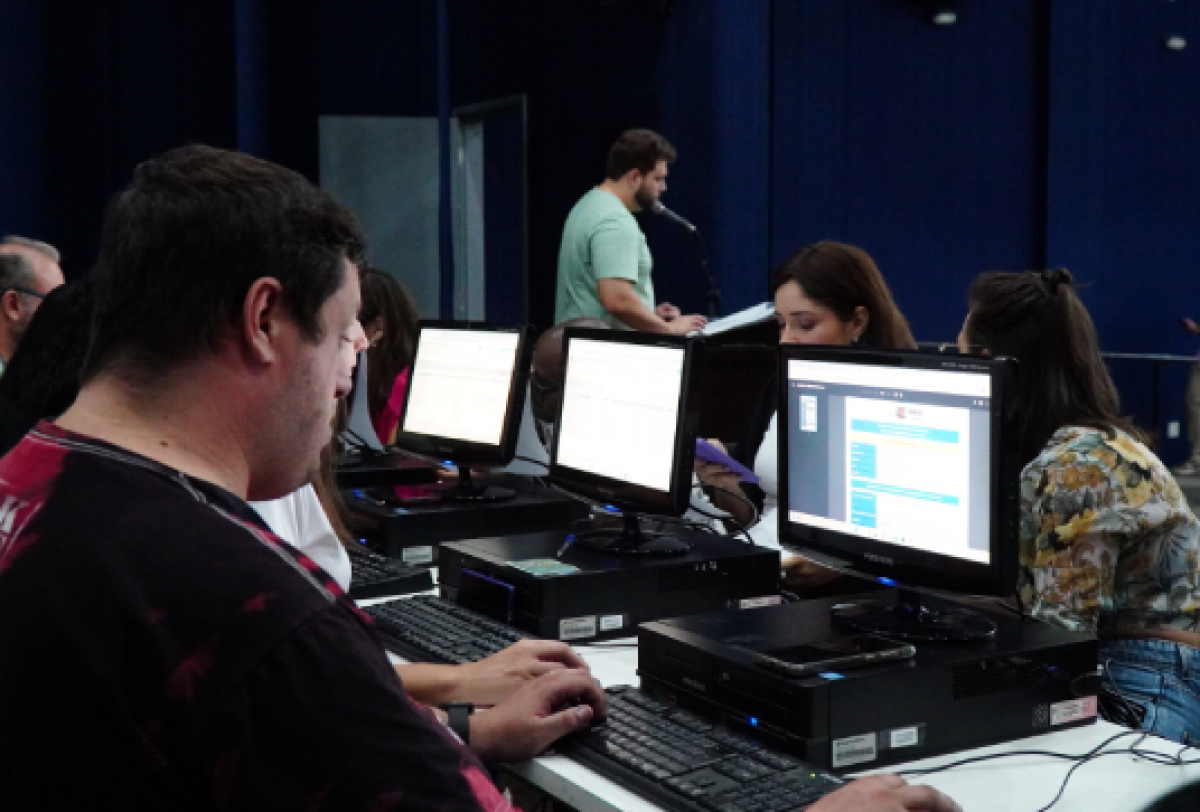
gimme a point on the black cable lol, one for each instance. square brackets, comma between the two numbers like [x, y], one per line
[1098, 751]
[736, 495]
[739, 525]
[1049, 753]
[1114, 705]
[1152, 756]
[356, 441]
[1062, 788]
[531, 459]
[362, 441]
[1076, 690]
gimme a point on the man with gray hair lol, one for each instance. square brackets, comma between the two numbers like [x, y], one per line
[28, 271]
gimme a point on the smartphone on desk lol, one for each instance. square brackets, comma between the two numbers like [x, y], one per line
[838, 654]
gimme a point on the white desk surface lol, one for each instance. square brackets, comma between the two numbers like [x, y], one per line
[1116, 783]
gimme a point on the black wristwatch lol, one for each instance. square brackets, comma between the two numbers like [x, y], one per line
[458, 718]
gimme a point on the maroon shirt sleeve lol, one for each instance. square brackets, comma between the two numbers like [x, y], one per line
[325, 724]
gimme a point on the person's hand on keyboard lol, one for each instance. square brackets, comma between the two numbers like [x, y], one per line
[537, 714]
[885, 793]
[492, 679]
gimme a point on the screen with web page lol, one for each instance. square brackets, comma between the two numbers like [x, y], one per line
[896, 455]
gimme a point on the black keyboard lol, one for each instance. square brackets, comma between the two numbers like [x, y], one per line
[376, 576]
[429, 629]
[683, 763]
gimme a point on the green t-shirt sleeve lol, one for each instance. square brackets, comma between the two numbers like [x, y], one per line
[614, 247]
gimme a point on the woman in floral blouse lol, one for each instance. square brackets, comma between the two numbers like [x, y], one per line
[1108, 542]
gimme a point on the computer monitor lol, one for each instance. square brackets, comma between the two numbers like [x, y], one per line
[899, 466]
[465, 395]
[626, 430]
[360, 435]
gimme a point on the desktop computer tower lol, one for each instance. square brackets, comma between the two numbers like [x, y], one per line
[413, 533]
[582, 594]
[1031, 678]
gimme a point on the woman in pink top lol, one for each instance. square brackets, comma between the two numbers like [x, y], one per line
[389, 315]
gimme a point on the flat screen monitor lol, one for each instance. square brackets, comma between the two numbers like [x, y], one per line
[899, 466]
[626, 428]
[360, 433]
[465, 393]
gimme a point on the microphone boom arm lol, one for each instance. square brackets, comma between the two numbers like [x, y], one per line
[713, 293]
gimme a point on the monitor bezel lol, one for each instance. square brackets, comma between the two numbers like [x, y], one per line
[467, 452]
[897, 565]
[628, 496]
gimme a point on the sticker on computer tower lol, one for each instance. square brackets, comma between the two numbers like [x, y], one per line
[543, 567]
[854, 750]
[1072, 710]
[577, 628]
[417, 555]
[912, 736]
[610, 623]
[765, 600]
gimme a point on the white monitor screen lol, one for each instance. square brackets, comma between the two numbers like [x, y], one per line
[460, 384]
[620, 410]
[897, 455]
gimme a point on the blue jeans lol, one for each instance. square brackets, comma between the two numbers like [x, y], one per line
[1161, 676]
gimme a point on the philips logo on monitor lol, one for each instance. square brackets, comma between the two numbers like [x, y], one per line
[879, 559]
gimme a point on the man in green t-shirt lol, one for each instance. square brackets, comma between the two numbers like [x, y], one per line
[604, 263]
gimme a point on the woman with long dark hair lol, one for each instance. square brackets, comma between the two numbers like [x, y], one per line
[827, 293]
[1107, 542]
[390, 316]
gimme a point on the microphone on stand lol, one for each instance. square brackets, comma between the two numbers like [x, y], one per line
[658, 208]
[713, 293]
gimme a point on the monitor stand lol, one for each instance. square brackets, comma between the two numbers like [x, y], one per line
[909, 619]
[465, 490]
[630, 538]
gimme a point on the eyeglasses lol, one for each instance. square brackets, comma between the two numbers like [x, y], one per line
[28, 292]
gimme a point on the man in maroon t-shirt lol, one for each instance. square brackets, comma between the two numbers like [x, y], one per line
[161, 647]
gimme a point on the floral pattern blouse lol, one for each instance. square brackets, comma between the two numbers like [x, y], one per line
[1108, 542]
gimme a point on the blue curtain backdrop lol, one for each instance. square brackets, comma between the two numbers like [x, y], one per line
[1032, 132]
